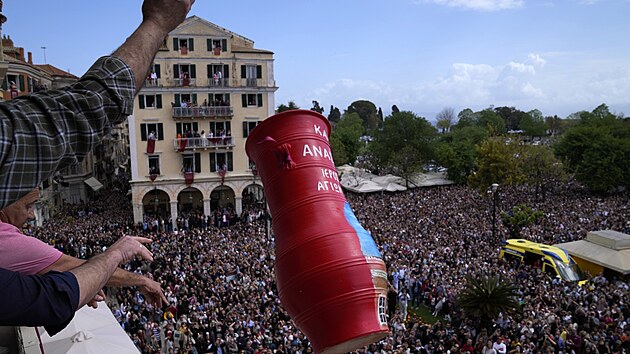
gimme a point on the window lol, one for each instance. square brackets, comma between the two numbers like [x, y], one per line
[154, 165]
[191, 163]
[219, 128]
[251, 74]
[252, 99]
[150, 101]
[218, 99]
[216, 43]
[183, 128]
[221, 160]
[189, 98]
[182, 43]
[146, 129]
[382, 310]
[248, 127]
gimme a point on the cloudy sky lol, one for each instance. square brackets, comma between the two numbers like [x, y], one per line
[559, 56]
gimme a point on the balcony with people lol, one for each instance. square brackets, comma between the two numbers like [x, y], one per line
[192, 141]
[187, 107]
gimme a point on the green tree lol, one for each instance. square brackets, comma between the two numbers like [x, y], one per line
[288, 107]
[497, 162]
[493, 122]
[456, 152]
[317, 108]
[334, 114]
[395, 109]
[485, 297]
[511, 117]
[444, 119]
[368, 113]
[541, 169]
[519, 217]
[346, 134]
[466, 118]
[533, 124]
[404, 144]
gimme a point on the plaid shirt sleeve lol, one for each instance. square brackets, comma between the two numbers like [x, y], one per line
[48, 131]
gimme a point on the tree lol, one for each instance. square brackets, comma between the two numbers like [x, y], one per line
[485, 297]
[497, 162]
[380, 117]
[334, 114]
[541, 169]
[519, 217]
[456, 152]
[533, 124]
[511, 117]
[290, 106]
[368, 113]
[404, 144]
[445, 119]
[395, 109]
[493, 122]
[347, 134]
[317, 108]
[466, 118]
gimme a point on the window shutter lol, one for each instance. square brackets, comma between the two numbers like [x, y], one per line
[191, 44]
[193, 71]
[259, 71]
[213, 162]
[141, 101]
[198, 162]
[226, 71]
[195, 127]
[178, 101]
[143, 132]
[158, 101]
[178, 128]
[21, 83]
[224, 45]
[160, 131]
[209, 70]
[243, 72]
[4, 84]
[228, 127]
[175, 43]
[259, 100]
[29, 83]
[245, 130]
[226, 98]
[194, 98]
[156, 68]
[244, 99]
[209, 44]
[230, 165]
[210, 99]
[176, 71]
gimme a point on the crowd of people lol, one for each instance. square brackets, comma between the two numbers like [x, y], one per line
[219, 280]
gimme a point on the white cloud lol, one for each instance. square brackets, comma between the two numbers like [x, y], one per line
[480, 5]
[536, 59]
[521, 68]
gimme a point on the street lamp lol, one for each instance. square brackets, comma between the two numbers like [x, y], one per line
[493, 190]
[264, 201]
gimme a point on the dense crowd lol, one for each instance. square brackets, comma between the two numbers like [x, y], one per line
[219, 281]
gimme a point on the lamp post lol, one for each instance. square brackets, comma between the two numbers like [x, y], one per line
[264, 201]
[493, 190]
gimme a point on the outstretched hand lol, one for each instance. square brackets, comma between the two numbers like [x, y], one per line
[167, 14]
[130, 247]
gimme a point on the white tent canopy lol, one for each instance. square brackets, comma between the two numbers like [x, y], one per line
[362, 181]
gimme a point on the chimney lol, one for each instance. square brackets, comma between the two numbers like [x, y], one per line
[21, 54]
[30, 58]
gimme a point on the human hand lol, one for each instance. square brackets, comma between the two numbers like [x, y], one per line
[129, 247]
[167, 14]
[153, 292]
[100, 296]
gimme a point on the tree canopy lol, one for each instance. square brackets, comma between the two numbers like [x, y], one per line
[368, 113]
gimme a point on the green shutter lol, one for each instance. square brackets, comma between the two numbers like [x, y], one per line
[259, 100]
[194, 98]
[21, 82]
[175, 43]
[226, 98]
[230, 165]
[160, 131]
[158, 101]
[209, 44]
[195, 127]
[176, 71]
[156, 67]
[259, 71]
[198, 162]
[209, 70]
[243, 72]
[226, 71]
[245, 130]
[178, 128]
[213, 162]
[244, 99]
[4, 84]
[178, 100]
[224, 45]
[191, 44]
[193, 71]
[143, 132]
[141, 101]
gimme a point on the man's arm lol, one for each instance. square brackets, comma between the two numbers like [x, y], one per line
[151, 289]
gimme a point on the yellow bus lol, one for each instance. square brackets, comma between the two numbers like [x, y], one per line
[550, 259]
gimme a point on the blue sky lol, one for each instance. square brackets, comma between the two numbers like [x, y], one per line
[558, 56]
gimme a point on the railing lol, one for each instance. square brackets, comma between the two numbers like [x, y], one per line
[223, 82]
[152, 83]
[184, 144]
[251, 82]
[185, 82]
[212, 111]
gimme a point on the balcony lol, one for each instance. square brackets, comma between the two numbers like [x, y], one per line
[187, 82]
[152, 83]
[203, 112]
[224, 82]
[253, 82]
[191, 144]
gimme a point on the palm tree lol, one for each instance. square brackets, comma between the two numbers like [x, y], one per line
[485, 297]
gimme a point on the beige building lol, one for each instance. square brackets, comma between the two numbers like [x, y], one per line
[208, 88]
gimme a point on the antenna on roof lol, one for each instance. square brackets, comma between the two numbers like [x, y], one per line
[44, 48]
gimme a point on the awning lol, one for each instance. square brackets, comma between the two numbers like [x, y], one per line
[93, 183]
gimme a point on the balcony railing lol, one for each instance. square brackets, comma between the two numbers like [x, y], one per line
[185, 82]
[251, 82]
[192, 112]
[184, 144]
[152, 83]
[224, 82]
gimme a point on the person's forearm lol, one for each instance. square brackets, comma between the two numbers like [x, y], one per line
[95, 273]
[120, 277]
[139, 50]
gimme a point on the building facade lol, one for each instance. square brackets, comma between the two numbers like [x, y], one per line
[208, 88]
